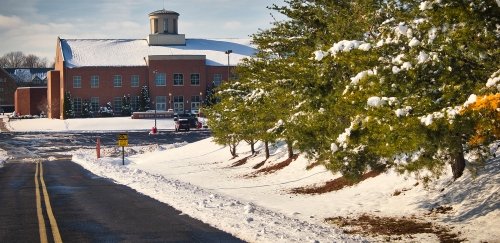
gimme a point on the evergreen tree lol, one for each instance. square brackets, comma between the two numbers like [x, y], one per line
[126, 109]
[86, 109]
[68, 111]
[405, 99]
[144, 99]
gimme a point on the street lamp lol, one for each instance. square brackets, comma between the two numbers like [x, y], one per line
[169, 101]
[201, 104]
[228, 67]
[155, 130]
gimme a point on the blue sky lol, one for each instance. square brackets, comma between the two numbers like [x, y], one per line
[32, 26]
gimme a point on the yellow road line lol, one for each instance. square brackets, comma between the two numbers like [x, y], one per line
[41, 221]
[50, 214]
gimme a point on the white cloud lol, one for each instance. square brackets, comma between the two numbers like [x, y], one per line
[7, 22]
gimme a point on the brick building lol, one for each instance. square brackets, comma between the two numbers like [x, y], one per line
[31, 100]
[177, 71]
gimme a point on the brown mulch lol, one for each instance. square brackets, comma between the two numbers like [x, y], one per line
[240, 162]
[259, 165]
[273, 168]
[310, 166]
[391, 227]
[333, 185]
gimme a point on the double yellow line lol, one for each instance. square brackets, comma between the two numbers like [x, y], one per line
[50, 214]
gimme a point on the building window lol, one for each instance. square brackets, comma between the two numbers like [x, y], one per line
[77, 105]
[175, 26]
[178, 79]
[217, 79]
[77, 81]
[195, 102]
[134, 103]
[161, 103]
[94, 81]
[165, 26]
[117, 80]
[117, 104]
[195, 79]
[3, 80]
[1, 90]
[160, 79]
[94, 104]
[178, 104]
[134, 81]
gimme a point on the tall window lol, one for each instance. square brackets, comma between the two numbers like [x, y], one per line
[134, 103]
[94, 104]
[77, 105]
[178, 79]
[117, 104]
[160, 79]
[165, 26]
[94, 81]
[178, 104]
[155, 26]
[77, 81]
[195, 102]
[117, 80]
[217, 79]
[161, 103]
[195, 79]
[134, 81]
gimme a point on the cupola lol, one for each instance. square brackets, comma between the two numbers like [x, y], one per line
[164, 29]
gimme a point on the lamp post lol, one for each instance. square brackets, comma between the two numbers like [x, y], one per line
[169, 101]
[228, 67]
[201, 104]
[155, 72]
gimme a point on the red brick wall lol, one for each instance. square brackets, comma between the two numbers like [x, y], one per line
[53, 94]
[106, 91]
[31, 101]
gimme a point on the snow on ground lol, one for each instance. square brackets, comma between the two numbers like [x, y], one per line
[88, 124]
[200, 180]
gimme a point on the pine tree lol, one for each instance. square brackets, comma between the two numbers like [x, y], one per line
[144, 99]
[126, 109]
[86, 109]
[405, 103]
[68, 106]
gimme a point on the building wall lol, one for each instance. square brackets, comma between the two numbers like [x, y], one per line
[53, 94]
[31, 100]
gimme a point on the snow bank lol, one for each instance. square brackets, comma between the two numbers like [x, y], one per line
[3, 157]
[201, 180]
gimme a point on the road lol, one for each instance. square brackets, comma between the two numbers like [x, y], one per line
[58, 199]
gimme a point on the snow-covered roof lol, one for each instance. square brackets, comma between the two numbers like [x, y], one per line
[27, 75]
[135, 52]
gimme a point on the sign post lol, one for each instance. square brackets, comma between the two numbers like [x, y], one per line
[122, 142]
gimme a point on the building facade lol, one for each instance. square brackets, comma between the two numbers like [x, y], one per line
[176, 71]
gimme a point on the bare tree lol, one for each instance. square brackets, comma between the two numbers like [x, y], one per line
[14, 59]
[20, 60]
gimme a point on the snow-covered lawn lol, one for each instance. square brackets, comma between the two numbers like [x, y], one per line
[202, 180]
[88, 124]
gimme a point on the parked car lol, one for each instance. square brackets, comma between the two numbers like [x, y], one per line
[192, 120]
[182, 124]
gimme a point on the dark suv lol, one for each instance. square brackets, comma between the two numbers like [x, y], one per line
[191, 120]
[181, 124]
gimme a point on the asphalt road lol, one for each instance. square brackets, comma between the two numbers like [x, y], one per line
[87, 208]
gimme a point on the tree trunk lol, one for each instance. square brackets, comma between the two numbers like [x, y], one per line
[252, 147]
[290, 148]
[266, 143]
[458, 162]
[232, 148]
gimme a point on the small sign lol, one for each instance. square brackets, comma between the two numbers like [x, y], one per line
[123, 140]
